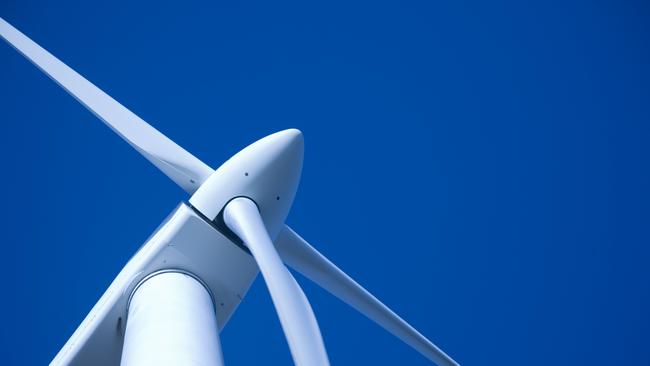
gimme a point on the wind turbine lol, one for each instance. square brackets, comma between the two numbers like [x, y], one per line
[168, 304]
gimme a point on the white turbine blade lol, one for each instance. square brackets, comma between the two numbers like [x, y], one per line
[241, 215]
[178, 164]
[301, 256]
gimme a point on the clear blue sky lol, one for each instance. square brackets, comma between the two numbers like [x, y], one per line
[482, 167]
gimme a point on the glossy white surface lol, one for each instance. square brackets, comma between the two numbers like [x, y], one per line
[171, 322]
[267, 171]
[178, 164]
[295, 313]
[302, 257]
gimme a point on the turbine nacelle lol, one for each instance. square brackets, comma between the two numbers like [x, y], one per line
[267, 172]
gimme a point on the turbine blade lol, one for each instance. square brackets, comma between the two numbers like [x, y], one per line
[178, 164]
[242, 216]
[301, 256]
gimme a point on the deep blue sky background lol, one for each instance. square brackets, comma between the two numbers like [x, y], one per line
[482, 167]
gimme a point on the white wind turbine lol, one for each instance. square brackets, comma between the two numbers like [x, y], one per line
[168, 304]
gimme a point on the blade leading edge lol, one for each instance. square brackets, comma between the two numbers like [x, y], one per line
[302, 257]
[241, 215]
[178, 164]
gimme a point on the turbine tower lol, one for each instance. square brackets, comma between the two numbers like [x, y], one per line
[169, 302]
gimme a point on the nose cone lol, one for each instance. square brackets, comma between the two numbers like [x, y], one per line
[277, 158]
[290, 135]
[267, 171]
[287, 145]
